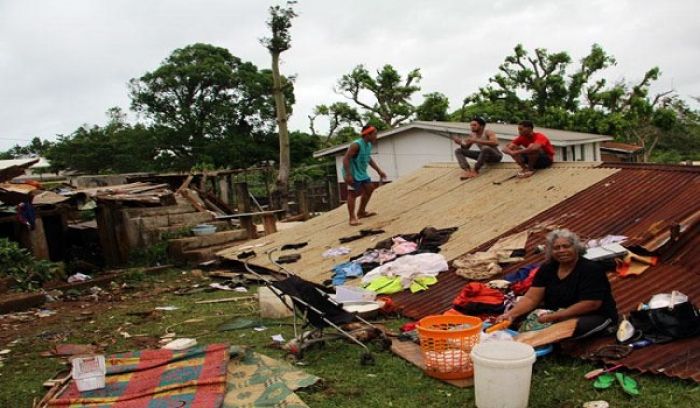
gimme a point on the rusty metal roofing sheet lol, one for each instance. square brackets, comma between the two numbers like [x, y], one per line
[641, 202]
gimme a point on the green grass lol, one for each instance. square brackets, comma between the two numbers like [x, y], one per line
[557, 380]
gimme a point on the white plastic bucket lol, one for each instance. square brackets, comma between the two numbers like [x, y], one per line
[502, 374]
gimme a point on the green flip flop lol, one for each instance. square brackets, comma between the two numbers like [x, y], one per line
[604, 381]
[628, 384]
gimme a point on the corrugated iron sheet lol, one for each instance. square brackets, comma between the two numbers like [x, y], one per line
[642, 202]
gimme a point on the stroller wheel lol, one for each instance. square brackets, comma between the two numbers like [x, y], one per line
[366, 359]
[384, 343]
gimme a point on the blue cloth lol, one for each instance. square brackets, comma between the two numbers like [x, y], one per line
[521, 273]
[359, 163]
[345, 270]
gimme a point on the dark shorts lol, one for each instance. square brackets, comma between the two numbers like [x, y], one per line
[357, 184]
[593, 325]
[543, 161]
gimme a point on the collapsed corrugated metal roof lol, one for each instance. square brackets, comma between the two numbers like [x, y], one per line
[658, 208]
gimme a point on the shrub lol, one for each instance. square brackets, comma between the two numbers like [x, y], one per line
[28, 272]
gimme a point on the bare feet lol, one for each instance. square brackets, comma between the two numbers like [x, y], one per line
[468, 175]
[366, 214]
[355, 222]
[525, 173]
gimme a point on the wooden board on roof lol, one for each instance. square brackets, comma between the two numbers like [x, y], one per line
[432, 196]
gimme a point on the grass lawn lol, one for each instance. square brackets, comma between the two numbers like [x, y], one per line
[557, 380]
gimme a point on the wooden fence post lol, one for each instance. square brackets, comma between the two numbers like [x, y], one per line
[333, 196]
[302, 200]
[243, 205]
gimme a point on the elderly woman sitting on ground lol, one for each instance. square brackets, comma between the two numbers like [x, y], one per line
[570, 286]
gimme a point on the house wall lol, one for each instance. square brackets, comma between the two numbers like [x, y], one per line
[402, 154]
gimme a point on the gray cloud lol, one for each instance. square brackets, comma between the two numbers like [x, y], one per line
[64, 63]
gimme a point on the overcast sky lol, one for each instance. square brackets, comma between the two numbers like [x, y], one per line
[64, 63]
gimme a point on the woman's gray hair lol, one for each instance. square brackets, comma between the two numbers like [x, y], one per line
[566, 234]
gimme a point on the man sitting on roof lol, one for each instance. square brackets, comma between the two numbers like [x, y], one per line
[531, 150]
[485, 140]
[354, 171]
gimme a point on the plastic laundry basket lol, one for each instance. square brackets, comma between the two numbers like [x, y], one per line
[446, 342]
[502, 374]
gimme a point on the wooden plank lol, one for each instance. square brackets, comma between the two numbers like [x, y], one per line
[248, 214]
[552, 334]
[202, 241]
[185, 184]
[242, 197]
[194, 200]
[269, 223]
[302, 201]
[35, 239]
[224, 194]
[105, 230]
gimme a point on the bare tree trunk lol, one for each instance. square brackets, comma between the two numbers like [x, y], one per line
[284, 161]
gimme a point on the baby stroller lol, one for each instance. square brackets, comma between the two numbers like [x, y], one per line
[316, 310]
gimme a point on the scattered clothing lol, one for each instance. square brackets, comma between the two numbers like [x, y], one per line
[429, 239]
[385, 285]
[531, 321]
[345, 270]
[485, 265]
[633, 264]
[478, 299]
[408, 269]
[338, 251]
[522, 278]
[403, 247]
[477, 266]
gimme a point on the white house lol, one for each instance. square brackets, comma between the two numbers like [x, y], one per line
[407, 148]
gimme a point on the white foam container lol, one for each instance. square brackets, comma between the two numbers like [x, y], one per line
[502, 374]
[89, 372]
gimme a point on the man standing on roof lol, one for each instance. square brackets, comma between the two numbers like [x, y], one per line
[531, 150]
[354, 171]
[485, 140]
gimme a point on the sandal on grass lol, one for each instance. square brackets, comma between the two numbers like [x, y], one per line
[604, 381]
[628, 384]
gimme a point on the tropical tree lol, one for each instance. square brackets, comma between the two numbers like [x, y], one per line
[341, 119]
[383, 100]
[202, 97]
[280, 22]
[434, 107]
[385, 97]
[542, 87]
